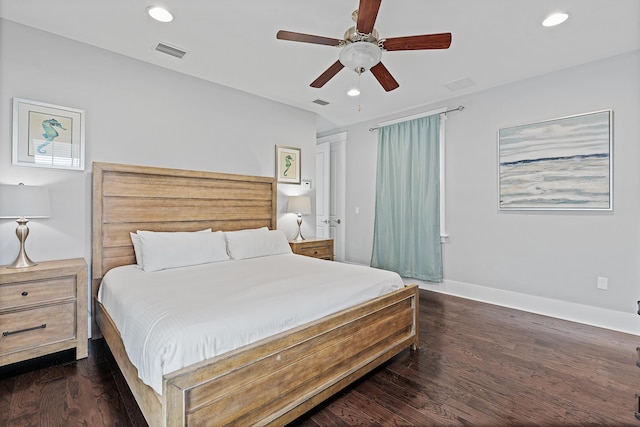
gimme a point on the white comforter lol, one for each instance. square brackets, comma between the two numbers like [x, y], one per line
[173, 318]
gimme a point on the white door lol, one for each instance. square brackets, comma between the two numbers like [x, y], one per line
[323, 173]
[330, 190]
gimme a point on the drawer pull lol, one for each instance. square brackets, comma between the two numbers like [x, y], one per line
[25, 293]
[7, 333]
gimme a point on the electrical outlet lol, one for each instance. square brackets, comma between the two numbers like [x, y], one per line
[603, 283]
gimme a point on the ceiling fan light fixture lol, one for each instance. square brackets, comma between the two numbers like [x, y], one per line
[361, 47]
[160, 14]
[360, 56]
[555, 19]
[353, 92]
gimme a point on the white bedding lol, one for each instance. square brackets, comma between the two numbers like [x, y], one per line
[173, 318]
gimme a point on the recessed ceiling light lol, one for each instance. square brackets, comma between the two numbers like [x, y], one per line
[160, 14]
[555, 19]
[353, 92]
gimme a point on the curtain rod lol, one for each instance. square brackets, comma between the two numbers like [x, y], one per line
[460, 108]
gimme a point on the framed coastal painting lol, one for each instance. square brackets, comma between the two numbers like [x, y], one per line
[288, 164]
[560, 164]
[47, 135]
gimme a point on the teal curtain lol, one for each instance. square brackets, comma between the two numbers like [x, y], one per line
[406, 237]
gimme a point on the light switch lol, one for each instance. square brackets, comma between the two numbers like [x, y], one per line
[603, 283]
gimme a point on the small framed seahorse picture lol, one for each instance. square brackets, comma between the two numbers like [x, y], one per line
[288, 164]
[47, 135]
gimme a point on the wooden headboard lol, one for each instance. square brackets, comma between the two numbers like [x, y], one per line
[128, 198]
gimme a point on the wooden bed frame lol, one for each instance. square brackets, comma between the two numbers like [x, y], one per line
[272, 381]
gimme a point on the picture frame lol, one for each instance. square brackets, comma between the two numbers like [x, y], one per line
[47, 135]
[288, 161]
[559, 164]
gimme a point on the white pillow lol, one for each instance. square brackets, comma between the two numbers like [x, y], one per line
[135, 239]
[256, 243]
[163, 250]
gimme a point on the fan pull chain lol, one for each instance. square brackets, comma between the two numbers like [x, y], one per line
[360, 92]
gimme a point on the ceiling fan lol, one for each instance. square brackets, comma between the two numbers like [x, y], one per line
[362, 47]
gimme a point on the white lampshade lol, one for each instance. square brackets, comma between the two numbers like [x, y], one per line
[299, 205]
[360, 56]
[24, 201]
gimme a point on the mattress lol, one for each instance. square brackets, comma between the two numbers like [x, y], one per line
[173, 318]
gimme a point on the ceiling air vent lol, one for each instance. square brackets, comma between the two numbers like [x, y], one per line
[320, 102]
[170, 50]
[460, 84]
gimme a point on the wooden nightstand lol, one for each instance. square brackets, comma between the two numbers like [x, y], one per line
[43, 310]
[313, 247]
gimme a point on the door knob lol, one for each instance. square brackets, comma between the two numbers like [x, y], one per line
[329, 221]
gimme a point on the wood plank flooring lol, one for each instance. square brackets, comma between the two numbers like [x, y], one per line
[478, 365]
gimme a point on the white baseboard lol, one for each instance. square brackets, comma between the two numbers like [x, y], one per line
[594, 316]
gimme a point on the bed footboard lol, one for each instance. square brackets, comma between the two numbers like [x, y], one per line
[275, 380]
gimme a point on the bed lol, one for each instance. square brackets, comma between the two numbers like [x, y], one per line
[273, 380]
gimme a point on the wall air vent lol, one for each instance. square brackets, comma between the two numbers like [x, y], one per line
[320, 102]
[170, 50]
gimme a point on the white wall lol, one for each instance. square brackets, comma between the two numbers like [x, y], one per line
[136, 113]
[556, 256]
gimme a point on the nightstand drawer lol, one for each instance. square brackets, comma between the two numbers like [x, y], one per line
[323, 251]
[37, 292]
[21, 330]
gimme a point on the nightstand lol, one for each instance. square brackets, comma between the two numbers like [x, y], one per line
[313, 247]
[43, 310]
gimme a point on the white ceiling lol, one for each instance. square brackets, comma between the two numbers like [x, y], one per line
[233, 43]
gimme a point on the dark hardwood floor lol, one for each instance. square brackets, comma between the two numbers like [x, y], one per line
[478, 365]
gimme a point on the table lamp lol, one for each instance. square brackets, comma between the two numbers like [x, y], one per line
[22, 202]
[300, 205]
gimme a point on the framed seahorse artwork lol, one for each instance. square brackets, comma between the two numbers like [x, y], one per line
[288, 164]
[47, 135]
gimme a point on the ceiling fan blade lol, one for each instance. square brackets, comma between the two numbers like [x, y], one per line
[327, 75]
[307, 38]
[384, 77]
[367, 14]
[427, 41]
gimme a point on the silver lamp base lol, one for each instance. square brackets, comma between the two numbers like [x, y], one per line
[22, 260]
[299, 235]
